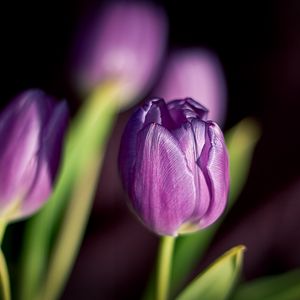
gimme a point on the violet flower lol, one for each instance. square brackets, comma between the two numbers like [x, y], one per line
[174, 166]
[196, 73]
[31, 132]
[124, 44]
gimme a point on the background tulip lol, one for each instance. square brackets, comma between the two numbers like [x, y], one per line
[174, 165]
[196, 73]
[31, 132]
[124, 44]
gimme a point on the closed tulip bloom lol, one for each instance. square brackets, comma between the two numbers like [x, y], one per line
[196, 73]
[174, 166]
[124, 44]
[31, 132]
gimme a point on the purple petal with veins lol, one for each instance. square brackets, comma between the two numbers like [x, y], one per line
[215, 161]
[174, 166]
[163, 190]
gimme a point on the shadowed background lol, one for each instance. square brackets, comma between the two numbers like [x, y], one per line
[258, 44]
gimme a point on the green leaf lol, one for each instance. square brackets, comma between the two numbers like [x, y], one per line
[71, 232]
[149, 293]
[217, 281]
[280, 287]
[241, 141]
[85, 142]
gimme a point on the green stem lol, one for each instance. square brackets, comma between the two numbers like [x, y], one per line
[4, 276]
[4, 279]
[164, 267]
[3, 225]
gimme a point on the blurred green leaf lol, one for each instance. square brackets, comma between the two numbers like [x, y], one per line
[280, 287]
[149, 293]
[86, 140]
[71, 232]
[217, 281]
[241, 141]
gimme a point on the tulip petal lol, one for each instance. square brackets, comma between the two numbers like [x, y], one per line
[198, 108]
[153, 111]
[31, 132]
[215, 165]
[49, 157]
[44, 103]
[53, 135]
[19, 134]
[163, 193]
[125, 43]
[191, 137]
[39, 193]
[186, 110]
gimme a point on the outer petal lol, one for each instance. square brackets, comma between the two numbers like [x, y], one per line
[163, 193]
[52, 139]
[153, 111]
[19, 134]
[215, 165]
[44, 103]
[191, 137]
[49, 157]
[40, 191]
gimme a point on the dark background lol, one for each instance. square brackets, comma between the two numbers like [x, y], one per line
[258, 43]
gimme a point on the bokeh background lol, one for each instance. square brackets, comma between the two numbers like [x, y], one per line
[258, 44]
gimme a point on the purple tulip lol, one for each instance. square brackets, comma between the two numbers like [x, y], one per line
[174, 166]
[31, 132]
[195, 73]
[124, 44]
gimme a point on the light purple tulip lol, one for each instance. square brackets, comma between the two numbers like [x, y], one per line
[195, 73]
[31, 131]
[125, 44]
[174, 166]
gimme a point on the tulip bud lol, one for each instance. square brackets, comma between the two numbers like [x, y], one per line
[174, 166]
[125, 45]
[195, 73]
[31, 132]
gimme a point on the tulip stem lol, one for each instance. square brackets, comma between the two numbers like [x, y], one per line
[4, 277]
[3, 225]
[164, 267]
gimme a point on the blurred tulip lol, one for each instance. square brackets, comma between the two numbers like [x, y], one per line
[125, 45]
[31, 132]
[174, 166]
[195, 73]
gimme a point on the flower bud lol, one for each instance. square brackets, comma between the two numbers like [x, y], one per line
[195, 73]
[125, 45]
[31, 132]
[174, 166]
